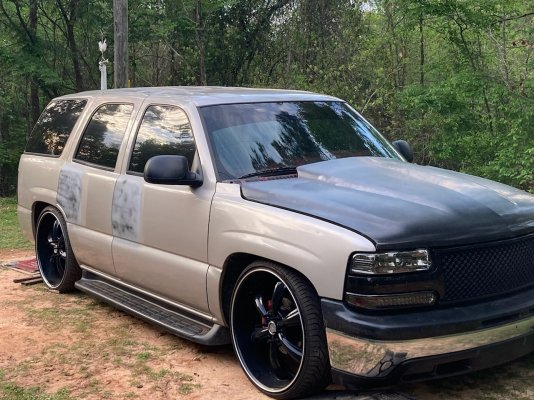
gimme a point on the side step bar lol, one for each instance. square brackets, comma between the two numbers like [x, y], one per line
[168, 318]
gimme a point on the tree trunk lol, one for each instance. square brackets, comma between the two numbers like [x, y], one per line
[134, 66]
[34, 86]
[78, 79]
[69, 18]
[199, 32]
[421, 52]
[120, 51]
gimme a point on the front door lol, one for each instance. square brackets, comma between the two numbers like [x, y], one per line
[160, 231]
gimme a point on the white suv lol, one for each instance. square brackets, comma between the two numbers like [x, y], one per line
[283, 222]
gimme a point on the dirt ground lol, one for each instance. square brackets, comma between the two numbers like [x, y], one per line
[73, 345]
[11, 254]
[76, 343]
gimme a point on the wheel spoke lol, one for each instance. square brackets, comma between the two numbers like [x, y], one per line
[58, 264]
[290, 320]
[61, 248]
[273, 356]
[292, 350]
[260, 334]
[278, 292]
[56, 230]
[260, 307]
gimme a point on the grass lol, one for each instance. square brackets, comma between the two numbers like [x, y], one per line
[10, 233]
[11, 391]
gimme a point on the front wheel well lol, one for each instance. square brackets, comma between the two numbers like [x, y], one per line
[234, 265]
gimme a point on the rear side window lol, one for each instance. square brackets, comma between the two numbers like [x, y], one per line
[54, 126]
[103, 135]
[164, 130]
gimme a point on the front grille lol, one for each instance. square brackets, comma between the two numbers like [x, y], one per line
[475, 272]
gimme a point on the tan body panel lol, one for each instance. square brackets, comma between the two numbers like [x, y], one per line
[166, 251]
[91, 248]
[38, 181]
[317, 249]
[161, 231]
[84, 194]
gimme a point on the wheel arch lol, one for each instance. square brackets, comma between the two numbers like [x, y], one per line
[37, 209]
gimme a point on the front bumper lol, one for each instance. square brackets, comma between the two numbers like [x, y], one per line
[361, 359]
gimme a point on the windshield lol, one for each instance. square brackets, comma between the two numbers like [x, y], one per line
[254, 137]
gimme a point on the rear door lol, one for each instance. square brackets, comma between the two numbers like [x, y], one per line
[160, 231]
[86, 184]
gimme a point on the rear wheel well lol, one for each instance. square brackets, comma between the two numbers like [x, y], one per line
[233, 266]
[37, 209]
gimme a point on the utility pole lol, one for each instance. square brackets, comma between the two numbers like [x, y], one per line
[120, 24]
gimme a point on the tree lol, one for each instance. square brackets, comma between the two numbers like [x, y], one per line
[120, 60]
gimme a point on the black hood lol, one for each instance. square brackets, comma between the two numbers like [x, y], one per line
[398, 205]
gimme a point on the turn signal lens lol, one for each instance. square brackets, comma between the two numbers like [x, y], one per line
[403, 300]
[390, 263]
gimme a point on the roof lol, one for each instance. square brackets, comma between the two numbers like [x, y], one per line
[208, 95]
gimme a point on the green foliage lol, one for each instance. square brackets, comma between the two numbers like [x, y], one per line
[453, 77]
[11, 391]
[10, 234]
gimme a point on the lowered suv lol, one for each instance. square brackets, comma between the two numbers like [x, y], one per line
[284, 223]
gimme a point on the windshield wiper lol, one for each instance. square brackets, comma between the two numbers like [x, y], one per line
[271, 172]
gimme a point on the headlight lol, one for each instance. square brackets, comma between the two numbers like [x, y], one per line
[390, 263]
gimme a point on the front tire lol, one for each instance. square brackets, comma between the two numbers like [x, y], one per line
[55, 258]
[278, 332]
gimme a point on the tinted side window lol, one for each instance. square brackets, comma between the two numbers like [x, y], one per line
[103, 136]
[163, 130]
[54, 126]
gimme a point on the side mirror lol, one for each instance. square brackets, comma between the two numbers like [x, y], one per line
[170, 170]
[404, 148]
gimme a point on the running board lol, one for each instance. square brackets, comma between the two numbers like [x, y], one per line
[163, 315]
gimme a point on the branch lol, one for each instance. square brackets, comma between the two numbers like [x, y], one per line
[62, 10]
[31, 37]
[53, 21]
[8, 18]
[502, 19]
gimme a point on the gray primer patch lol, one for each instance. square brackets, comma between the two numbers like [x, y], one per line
[69, 193]
[126, 208]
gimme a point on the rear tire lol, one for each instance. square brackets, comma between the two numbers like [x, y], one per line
[55, 258]
[278, 332]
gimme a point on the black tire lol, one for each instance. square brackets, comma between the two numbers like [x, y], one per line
[55, 258]
[278, 332]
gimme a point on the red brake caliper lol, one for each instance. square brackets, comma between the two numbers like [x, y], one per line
[269, 309]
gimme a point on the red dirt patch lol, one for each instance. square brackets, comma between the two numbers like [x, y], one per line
[93, 351]
[14, 254]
